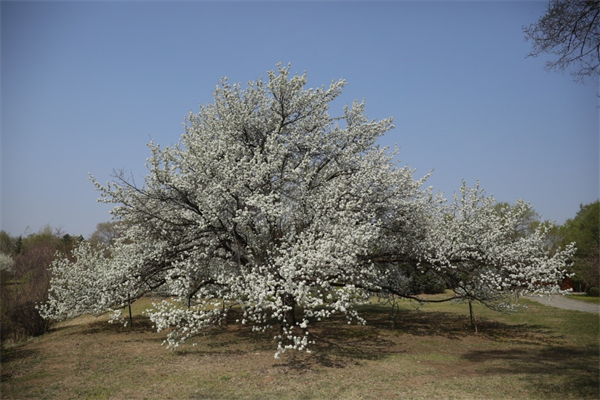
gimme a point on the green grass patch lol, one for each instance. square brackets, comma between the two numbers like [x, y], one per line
[429, 352]
[586, 298]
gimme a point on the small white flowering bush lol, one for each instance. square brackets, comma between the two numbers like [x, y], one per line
[6, 263]
[270, 203]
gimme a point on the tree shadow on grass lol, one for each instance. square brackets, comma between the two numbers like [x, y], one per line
[455, 326]
[339, 344]
[12, 354]
[419, 323]
[140, 324]
[559, 371]
[514, 334]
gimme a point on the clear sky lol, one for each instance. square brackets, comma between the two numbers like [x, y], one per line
[85, 85]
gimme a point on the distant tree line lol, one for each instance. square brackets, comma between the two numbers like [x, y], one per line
[583, 230]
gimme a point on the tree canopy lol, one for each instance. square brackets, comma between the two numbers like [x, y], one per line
[269, 203]
[570, 30]
[583, 230]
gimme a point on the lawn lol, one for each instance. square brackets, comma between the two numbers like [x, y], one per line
[583, 297]
[539, 353]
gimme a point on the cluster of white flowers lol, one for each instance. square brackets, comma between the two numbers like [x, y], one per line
[269, 203]
[6, 262]
[484, 255]
[93, 283]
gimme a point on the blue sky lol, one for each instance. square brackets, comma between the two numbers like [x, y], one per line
[85, 85]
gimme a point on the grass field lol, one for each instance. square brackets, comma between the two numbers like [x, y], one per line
[540, 353]
[583, 297]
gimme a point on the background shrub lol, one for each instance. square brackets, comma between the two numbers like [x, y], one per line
[593, 291]
[25, 279]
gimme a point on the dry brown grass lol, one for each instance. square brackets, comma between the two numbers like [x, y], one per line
[542, 353]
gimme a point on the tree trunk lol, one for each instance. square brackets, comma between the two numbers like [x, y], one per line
[289, 316]
[130, 317]
[472, 315]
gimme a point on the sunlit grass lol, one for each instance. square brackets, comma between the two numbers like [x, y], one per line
[586, 298]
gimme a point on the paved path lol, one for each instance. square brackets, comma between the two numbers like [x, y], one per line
[566, 303]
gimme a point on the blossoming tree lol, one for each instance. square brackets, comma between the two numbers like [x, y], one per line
[270, 203]
[484, 255]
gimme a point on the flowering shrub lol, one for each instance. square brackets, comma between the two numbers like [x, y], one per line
[269, 203]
